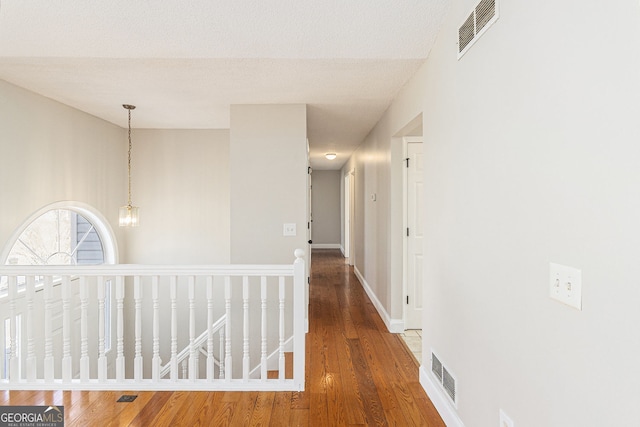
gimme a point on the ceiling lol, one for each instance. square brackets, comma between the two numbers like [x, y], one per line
[183, 63]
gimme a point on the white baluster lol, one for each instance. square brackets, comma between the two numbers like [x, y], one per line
[84, 340]
[281, 364]
[263, 308]
[155, 362]
[137, 361]
[193, 350]
[245, 331]
[174, 327]
[48, 329]
[66, 329]
[102, 358]
[222, 357]
[228, 368]
[184, 368]
[14, 366]
[31, 346]
[210, 359]
[120, 329]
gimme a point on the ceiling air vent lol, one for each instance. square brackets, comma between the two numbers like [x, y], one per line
[480, 19]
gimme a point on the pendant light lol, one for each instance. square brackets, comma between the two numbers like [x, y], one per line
[129, 216]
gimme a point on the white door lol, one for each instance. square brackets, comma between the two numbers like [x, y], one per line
[414, 210]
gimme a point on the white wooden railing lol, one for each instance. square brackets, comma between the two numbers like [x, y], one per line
[240, 320]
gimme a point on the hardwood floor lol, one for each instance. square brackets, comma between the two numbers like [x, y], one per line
[357, 374]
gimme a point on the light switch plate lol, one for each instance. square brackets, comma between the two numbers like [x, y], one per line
[289, 229]
[565, 285]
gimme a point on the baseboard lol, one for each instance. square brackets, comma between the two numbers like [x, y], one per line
[342, 250]
[395, 326]
[325, 246]
[447, 412]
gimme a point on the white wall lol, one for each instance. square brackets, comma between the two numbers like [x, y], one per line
[180, 181]
[50, 152]
[378, 166]
[531, 152]
[268, 161]
[325, 207]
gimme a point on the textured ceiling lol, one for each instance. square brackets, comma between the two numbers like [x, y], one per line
[184, 63]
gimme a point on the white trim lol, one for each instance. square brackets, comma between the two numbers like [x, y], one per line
[439, 399]
[325, 246]
[342, 251]
[395, 326]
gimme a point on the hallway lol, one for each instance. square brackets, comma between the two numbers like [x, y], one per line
[357, 374]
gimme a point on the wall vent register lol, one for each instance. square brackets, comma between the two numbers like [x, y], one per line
[481, 18]
[444, 377]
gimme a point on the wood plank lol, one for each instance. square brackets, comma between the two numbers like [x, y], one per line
[244, 408]
[281, 409]
[208, 412]
[263, 409]
[153, 406]
[370, 399]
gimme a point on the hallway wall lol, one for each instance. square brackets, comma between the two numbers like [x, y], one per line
[268, 178]
[531, 156]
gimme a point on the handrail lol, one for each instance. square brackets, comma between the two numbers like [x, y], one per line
[146, 270]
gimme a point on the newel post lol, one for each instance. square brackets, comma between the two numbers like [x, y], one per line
[299, 311]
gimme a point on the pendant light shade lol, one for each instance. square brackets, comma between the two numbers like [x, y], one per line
[129, 215]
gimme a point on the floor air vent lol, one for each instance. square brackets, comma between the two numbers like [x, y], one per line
[480, 19]
[446, 380]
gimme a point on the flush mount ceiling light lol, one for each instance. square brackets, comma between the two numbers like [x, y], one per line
[330, 156]
[129, 216]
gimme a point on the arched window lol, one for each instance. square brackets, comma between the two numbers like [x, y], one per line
[57, 237]
[64, 233]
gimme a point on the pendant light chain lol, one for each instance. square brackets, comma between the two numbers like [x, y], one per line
[129, 215]
[129, 162]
